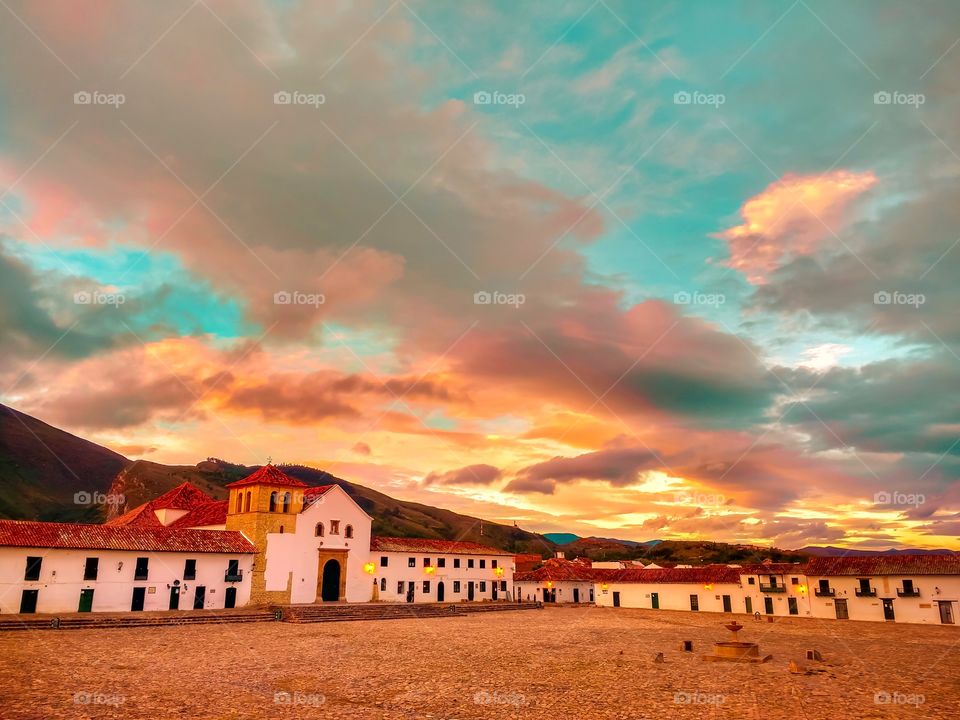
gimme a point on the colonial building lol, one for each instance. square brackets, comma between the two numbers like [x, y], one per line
[774, 589]
[558, 581]
[713, 588]
[897, 588]
[275, 540]
[426, 570]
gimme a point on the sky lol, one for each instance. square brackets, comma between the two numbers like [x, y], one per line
[672, 270]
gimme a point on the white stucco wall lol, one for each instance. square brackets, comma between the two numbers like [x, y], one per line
[398, 570]
[673, 596]
[533, 591]
[61, 579]
[295, 553]
[924, 609]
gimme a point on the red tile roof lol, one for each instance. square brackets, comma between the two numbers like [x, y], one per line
[772, 569]
[18, 533]
[698, 575]
[885, 565]
[183, 497]
[268, 475]
[209, 513]
[430, 545]
[525, 562]
[556, 570]
[140, 516]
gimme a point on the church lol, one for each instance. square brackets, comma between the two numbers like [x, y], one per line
[274, 541]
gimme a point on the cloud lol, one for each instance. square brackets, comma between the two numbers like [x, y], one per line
[480, 474]
[361, 448]
[790, 219]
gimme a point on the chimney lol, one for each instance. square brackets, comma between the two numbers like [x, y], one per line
[560, 555]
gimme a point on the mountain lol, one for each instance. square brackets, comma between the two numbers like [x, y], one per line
[831, 551]
[43, 468]
[561, 538]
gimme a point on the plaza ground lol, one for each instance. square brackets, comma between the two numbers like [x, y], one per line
[560, 662]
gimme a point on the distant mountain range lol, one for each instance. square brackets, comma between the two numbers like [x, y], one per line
[831, 551]
[47, 473]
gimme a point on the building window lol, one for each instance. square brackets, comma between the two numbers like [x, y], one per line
[90, 568]
[383, 561]
[503, 585]
[411, 562]
[441, 562]
[383, 584]
[142, 569]
[190, 570]
[456, 587]
[426, 562]
[281, 529]
[286, 503]
[233, 571]
[334, 527]
[239, 502]
[824, 586]
[483, 586]
[456, 562]
[33, 568]
[348, 532]
[751, 581]
[318, 530]
[794, 581]
[426, 587]
[273, 501]
[470, 563]
[246, 506]
[493, 564]
[694, 602]
[907, 587]
[400, 587]
[483, 563]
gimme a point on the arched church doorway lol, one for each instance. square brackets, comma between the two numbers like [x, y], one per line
[330, 587]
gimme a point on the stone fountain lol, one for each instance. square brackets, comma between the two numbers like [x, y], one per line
[733, 650]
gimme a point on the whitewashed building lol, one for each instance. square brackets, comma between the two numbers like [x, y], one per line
[712, 588]
[66, 567]
[891, 588]
[774, 589]
[429, 570]
[557, 581]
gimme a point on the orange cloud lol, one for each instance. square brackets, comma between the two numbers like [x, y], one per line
[791, 217]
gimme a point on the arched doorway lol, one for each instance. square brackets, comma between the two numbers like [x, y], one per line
[330, 587]
[440, 591]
